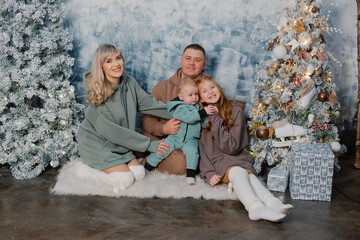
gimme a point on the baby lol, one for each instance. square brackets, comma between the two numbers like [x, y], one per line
[185, 108]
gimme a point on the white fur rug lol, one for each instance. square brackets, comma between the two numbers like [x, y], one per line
[71, 181]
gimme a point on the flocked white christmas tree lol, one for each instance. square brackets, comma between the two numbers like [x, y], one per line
[38, 112]
[296, 93]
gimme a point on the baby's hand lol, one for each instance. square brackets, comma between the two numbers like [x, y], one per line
[210, 109]
[215, 180]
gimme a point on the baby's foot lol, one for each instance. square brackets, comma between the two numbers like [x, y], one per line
[190, 180]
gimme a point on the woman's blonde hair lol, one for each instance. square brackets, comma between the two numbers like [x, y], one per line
[224, 105]
[99, 89]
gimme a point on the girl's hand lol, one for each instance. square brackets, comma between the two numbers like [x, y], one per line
[210, 109]
[215, 180]
[163, 148]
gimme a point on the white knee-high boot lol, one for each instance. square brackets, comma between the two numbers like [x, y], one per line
[138, 171]
[122, 180]
[267, 197]
[93, 176]
[243, 189]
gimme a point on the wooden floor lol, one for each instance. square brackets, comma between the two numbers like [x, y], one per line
[29, 211]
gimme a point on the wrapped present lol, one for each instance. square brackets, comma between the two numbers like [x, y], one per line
[311, 171]
[278, 179]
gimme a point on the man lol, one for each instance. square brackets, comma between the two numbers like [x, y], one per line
[193, 66]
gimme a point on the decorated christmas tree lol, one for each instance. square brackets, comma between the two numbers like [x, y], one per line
[295, 89]
[38, 112]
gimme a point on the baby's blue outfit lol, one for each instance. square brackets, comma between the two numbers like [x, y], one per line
[192, 119]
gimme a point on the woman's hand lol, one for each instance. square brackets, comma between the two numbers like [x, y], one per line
[171, 127]
[163, 148]
[215, 180]
[210, 109]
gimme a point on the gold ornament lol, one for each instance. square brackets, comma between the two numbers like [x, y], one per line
[323, 139]
[273, 44]
[288, 65]
[299, 26]
[259, 110]
[329, 77]
[281, 108]
[318, 71]
[332, 97]
[272, 69]
[271, 132]
[278, 87]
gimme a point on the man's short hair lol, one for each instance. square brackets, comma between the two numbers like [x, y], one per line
[195, 46]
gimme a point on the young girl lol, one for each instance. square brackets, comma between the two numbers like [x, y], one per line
[223, 157]
[107, 135]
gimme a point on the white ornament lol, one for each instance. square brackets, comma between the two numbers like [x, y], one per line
[311, 118]
[279, 52]
[294, 44]
[335, 146]
[310, 69]
[53, 163]
[305, 42]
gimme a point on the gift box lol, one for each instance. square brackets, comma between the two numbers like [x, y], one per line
[278, 179]
[311, 171]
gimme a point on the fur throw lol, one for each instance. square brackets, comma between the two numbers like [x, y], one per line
[72, 181]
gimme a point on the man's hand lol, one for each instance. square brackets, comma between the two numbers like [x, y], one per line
[171, 127]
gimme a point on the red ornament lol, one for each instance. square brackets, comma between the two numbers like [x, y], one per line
[262, 132]
[314, 9]
[326, 126]
[34, 165]
[297, 81]
[303, 56]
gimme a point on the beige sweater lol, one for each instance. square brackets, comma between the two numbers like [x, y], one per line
[163, 91]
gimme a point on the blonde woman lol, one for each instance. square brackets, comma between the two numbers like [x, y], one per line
[107, 135]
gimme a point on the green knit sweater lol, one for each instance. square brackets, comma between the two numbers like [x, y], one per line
[107, 135]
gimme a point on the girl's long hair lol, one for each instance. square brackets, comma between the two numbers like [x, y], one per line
[224, 105]
[99, 89]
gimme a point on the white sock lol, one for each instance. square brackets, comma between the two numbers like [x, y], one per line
[190, 180]
[262, 212]
[243, 189]
[230, 187]
[267, 197]
[277, 206]
[138, 171]
[123, 180]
